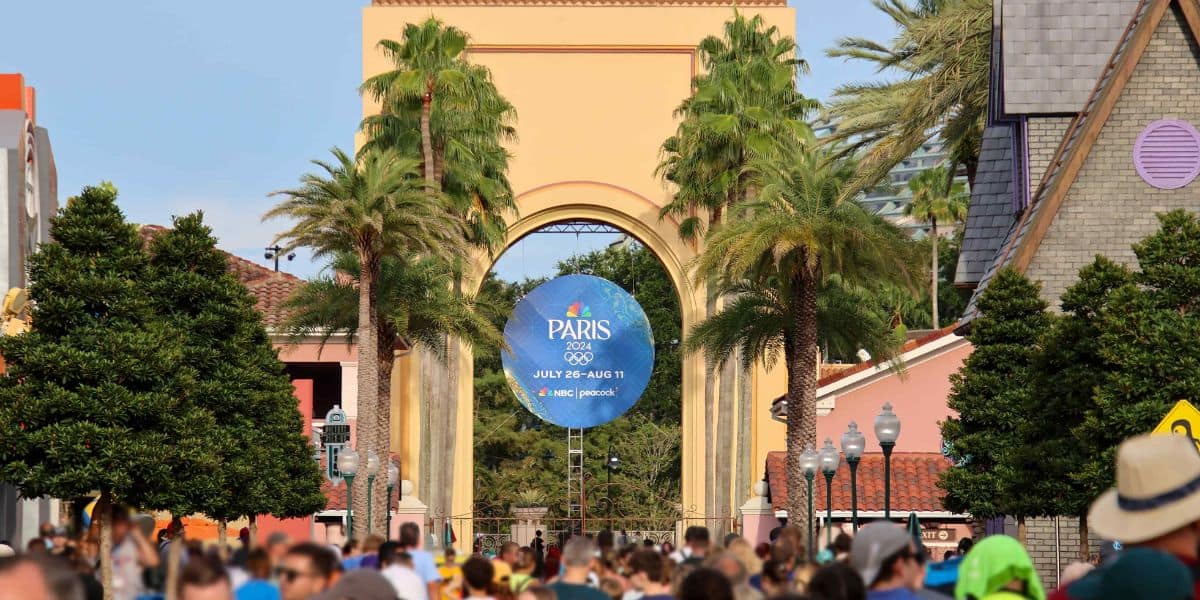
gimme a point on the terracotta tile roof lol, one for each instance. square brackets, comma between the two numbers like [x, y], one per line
[914, 483]
[270, 289]
[909, 346]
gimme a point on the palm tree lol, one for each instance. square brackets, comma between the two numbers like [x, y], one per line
[941, 61]
[371, 208]
[778, 260]
[936, 196]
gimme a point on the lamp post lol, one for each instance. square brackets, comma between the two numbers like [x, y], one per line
[393, 475]
[809, 461]
[829, 466]
[613, 464]
[887, 429]
[853, 444]
[372, 471]
[347, 464]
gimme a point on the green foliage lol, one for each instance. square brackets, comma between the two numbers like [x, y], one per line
[515, 451]
[1147, 343]
[264, 462]
[95, 397]
[991, 394]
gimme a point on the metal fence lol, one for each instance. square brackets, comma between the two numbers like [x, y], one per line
[488, 534]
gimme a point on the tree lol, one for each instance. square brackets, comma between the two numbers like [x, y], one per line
[936, 197]
[91, 399]
[991, 394]
[941, 57]
[744, 107]
[1066, 374]
[266, 465]
[1147, 344]
[373, 208]
[774, 262]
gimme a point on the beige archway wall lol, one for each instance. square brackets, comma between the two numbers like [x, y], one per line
[595, 84]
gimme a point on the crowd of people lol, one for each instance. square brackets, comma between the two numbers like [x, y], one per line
[1154, 511]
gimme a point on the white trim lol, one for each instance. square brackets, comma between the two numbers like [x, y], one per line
[897, 515]
[926, 352]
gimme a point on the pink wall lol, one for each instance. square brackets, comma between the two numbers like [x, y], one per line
[303, 389]
[334, 351]
[918, 398]
[300, 529]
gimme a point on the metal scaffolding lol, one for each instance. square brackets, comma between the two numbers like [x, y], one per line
[575, 498]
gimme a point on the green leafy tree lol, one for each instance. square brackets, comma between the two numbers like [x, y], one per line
[1066, 374]
[1147, 344]
[372, 208]
[939, 62]
[774, 262]
[991, 394]
[936, 197]
[91, 398]
[266, 466]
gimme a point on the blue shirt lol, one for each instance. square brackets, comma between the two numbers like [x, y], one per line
[896, 594]
[424, 565]
[257, 589]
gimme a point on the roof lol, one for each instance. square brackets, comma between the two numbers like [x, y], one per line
[1053, 50]
[908, 346]
[990, 213]
[914, 483]
[269, 288]
[1030, 228]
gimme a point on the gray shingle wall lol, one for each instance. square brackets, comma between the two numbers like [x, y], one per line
[1109, 207]
[1054, 50]
[991, 208]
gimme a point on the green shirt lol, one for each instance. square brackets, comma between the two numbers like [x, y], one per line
[574, 591]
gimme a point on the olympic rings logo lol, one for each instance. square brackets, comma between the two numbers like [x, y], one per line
[578, 359]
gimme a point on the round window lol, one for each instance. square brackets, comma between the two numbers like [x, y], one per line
[1167, 154]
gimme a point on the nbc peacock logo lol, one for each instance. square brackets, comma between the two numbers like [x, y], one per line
[573, 311]
[542, 392]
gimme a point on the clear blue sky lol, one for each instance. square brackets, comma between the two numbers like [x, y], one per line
[212, 105]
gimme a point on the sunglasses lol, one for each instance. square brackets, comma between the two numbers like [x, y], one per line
[290, 575]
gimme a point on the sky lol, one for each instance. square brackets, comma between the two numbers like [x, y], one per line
[214, 105]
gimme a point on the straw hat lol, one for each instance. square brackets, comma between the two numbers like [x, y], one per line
[1157, 492]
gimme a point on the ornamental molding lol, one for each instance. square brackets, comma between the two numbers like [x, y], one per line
[621, 3]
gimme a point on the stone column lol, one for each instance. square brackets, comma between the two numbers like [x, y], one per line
[409, 510]
[529, 521]
[758, 517]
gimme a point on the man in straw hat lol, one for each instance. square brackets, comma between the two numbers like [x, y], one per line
[1156, 503]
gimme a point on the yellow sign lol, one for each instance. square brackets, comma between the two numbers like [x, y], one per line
[1182, 419]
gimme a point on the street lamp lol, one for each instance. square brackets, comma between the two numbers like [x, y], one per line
[393, 474]
[613, 464]
[809, 461]
[829, 466]
[347, 464]
[887, 429]
[372, 471]
[853, 444]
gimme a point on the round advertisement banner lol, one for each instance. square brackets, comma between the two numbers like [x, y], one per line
[580, 351]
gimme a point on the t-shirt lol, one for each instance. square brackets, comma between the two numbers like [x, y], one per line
[574, 591]
[407, 583]
[424, 565]
[895, 594]
[257, 589]
[127, 573]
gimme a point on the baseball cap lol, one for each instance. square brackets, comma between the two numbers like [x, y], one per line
[873, 545]
[360, 584]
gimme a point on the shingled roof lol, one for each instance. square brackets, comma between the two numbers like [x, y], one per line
[269, 288]
[990, 214]
[914, 483]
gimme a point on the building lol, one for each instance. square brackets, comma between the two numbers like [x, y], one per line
[28, 198]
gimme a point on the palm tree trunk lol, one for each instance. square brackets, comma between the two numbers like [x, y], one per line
[427, 139]
[174, 554]
[800, 355]
[103, 512]
[385, 357]
[933, 271]
[710, 455]
[724, 446]
[368, 384]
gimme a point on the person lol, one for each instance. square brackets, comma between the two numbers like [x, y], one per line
[423, 563]
[1074, 571]
[259, 585]
[612, 588]
[359, 584]
[705, 584]
[884, 556]
[538, 545]
[451, 574]
[502, 565]
[727, 564]
[478, 576]
[370, 552]
[783, 553]
[132, 553]
[243, 552]
[837, 581]
[278, 543]
[998, 568]
[650, 576]
[1138, 574]
[744, 552]
[306, 569]
[553, 564]
[398, 570]
[776, 578]
[695, 546]
[1155, 503]
[523, 569]
[537, 592]
[579, 556]
[204, 579]
[38, 578]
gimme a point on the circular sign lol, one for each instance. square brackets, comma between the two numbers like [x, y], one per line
[580, 351]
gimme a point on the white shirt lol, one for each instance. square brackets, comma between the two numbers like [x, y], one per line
[407, 583]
